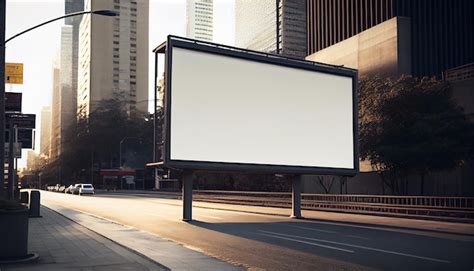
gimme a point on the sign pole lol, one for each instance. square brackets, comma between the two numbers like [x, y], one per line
[187, 179]
[11, 159]
[296, 197]
[2, 92]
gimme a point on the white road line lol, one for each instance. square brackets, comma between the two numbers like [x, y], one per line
[308, 243]
[326, 231]
[362, 247]
[209, 216]
[155, 214]
[356, 236]
[311, 229]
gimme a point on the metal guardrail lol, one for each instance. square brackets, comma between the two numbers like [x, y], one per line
[459, 209]
[460, 73]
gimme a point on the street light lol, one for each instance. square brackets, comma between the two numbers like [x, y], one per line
[2, 67]
[102, 12]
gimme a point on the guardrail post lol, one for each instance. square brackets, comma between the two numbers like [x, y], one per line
[187, 179]
[296, 197]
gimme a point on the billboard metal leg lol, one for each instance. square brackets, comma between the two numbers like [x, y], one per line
[187, 179]
[296, 197]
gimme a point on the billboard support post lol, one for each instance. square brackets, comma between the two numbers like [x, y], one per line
[296, 196]
[187, 179]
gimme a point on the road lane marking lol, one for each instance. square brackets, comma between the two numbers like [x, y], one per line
[356, 236]
[155, 214]
[209, 216]
[311, 229]
[362, 247]
[326, 231]
[308, 243]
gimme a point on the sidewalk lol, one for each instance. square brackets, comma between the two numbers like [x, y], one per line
[169, 254]
[63, 244]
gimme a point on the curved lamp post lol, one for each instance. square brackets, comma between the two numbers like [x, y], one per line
[103, 12]
[109, 13]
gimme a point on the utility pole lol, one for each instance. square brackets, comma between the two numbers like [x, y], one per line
[2, 93]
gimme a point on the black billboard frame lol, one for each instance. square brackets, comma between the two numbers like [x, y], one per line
[229, 51]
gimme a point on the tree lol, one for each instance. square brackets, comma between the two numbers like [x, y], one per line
[412, 126]
[326, 182]
[94, 141]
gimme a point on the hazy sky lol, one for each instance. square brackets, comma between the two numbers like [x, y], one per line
[37, 49]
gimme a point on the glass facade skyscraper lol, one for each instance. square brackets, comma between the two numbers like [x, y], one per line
[272, 26]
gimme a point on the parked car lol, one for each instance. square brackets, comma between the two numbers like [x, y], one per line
[61, 188]
[56, 188]
[75, 189]
[85, 189]
[69, 189]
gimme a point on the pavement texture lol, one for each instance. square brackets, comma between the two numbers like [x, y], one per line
[170, 255]
[62, 244]
[362, 219]
[72, 240]
[253, 238]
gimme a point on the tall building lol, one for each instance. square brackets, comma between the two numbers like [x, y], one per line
[56, 111]
[394, 37]
[272, 26]
[200, 16]
[426, 37]
[45, 136]
[71, 6]
[31, 159]
[67, 93]
[113, 55]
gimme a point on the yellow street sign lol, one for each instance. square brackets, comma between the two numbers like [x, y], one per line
[13, 73]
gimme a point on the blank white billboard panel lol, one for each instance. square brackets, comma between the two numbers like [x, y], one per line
[227, 109]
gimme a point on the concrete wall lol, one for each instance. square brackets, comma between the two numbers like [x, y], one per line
[463, 95]
[381, 50]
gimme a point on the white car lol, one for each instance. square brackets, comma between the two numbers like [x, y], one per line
[83, 189]
[69, 189]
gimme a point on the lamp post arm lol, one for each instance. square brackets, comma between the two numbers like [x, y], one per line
[99, 12]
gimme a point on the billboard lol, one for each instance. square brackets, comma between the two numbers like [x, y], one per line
[233, 109]
[13, 102]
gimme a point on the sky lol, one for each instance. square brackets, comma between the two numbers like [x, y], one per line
[38, 49]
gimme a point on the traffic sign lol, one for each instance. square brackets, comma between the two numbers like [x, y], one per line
[12, 102]
[13, 73]
[25, 121]
[25, 137]
[16, 150]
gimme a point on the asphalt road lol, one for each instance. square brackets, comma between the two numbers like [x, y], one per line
[278, 243]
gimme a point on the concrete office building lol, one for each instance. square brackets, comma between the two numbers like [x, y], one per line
[420, 38]
[55, 141]
[113, 55]
[200, 17]
[71, 6]
[273, 26]
[45, 136]
[67, 93]
[31, 159]
[395, 37]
